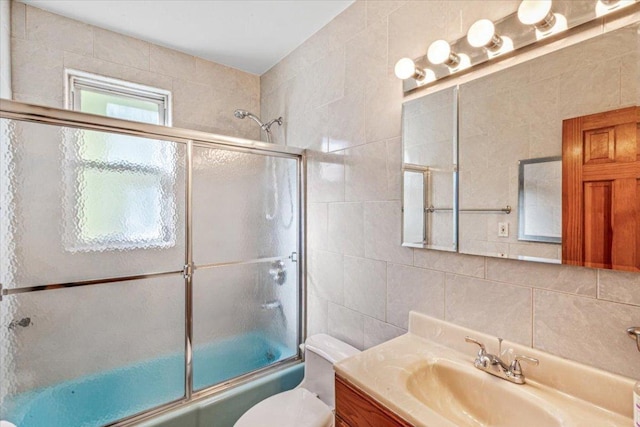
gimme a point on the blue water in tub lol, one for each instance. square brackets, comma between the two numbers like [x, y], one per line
[105, 397]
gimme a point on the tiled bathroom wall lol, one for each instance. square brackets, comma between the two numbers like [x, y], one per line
[340, 99]
[205, 93]
[5, 49]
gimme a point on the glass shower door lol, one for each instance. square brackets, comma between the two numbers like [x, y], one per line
[245, 279]
[92, 247]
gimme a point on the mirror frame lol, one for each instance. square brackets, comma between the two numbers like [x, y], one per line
[522, 236]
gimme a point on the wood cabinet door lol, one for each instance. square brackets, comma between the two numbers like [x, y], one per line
[356, 409]
[601, 190]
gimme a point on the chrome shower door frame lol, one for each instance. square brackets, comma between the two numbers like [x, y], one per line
[190, 138]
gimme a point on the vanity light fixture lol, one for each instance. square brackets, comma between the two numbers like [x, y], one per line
[483, 34]
[487, 39]
[440, 53]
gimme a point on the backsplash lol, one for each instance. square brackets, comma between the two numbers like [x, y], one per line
[340, 99]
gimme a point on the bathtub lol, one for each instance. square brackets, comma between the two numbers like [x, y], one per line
[105, 397]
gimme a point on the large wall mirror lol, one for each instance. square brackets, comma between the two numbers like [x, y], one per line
[429, 178]
[510, 144]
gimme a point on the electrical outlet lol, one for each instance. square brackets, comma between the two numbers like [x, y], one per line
[503, 229]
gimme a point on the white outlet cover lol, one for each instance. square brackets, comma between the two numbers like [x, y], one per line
[503, 229]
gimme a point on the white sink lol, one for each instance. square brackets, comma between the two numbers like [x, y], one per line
[473, 398]
[428, 377]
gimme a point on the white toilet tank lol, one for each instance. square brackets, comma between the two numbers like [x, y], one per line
[300, 407]
[321, 351]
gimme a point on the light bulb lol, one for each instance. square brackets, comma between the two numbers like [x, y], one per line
[429, 76]
[483, 34]
[607, 6]
[507, 46]
[464, 62]
[440, 53]
[536, 13]
[559, 24]
[405, 68]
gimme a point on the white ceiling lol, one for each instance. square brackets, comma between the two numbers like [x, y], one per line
[251, 35]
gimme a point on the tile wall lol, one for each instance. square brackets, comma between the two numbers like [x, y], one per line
[340, 99]
[205, 93]
[5, 49]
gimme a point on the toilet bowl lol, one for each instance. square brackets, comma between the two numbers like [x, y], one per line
[311, 403]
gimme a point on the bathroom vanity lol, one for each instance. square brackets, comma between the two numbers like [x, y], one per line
[355, 408]
[433, 376]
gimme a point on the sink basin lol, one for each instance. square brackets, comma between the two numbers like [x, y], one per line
[470, 397]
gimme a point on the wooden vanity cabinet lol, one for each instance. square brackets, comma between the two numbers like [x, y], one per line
[355, 409]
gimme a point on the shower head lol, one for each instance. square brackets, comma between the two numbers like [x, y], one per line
[266, 127]
[240, 114]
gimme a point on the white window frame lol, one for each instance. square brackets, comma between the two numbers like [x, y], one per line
[74, 80]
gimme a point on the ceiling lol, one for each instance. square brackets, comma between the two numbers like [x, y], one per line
[251, 35]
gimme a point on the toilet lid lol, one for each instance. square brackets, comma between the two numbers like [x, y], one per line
[295, 408]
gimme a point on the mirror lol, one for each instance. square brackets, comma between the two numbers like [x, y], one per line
[511, 118]
[540, 200]
[429, 147]
[508, 128]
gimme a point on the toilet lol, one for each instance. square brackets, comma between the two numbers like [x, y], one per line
[311, 403]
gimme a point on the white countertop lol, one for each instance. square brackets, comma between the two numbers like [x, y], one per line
[574, 394]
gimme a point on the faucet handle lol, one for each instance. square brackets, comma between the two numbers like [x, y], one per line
[515, 367]
[482, 351]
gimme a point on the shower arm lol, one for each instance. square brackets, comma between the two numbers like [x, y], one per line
[266, 127]
[254, 118]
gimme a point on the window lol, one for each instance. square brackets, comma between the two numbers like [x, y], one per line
[120, 188]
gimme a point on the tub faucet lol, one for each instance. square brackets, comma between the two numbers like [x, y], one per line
[494, 365]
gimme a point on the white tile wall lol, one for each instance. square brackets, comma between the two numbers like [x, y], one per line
[205, 93]
[495, 308]
[564, 310]
[411, 288]
[5, 49]
[346, 229]
[121, 49]
[367, 286]
[382, 229]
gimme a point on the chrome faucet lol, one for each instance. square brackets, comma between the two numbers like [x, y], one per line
[496, 366]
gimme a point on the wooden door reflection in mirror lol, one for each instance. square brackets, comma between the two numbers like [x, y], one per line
[601, 190]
